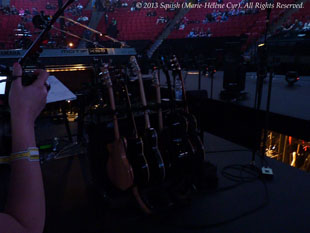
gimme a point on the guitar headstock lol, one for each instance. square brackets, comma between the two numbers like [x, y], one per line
[106, 75]
[134, 64]
[174, 64]
[155, 78]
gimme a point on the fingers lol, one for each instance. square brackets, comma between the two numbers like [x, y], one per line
[42, 76]
[17, 72]
[17, 69]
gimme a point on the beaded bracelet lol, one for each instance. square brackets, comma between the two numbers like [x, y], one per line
[32, 154]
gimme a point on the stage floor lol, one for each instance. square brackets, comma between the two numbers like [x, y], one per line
[291, 101]
[74, 207]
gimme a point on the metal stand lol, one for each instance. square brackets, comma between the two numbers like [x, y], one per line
[211, 91]
[261, 75]
[199, 79]
[64, 115]
[80, 134]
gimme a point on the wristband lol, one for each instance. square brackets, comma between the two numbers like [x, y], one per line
[32, 154]
[4, 159]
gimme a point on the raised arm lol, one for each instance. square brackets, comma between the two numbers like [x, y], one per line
[25, 209]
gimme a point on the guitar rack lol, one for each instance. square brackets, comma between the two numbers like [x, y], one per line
[174, 192]
[178, 187]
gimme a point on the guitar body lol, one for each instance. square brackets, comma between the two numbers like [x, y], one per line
[153, 156]
[119, 170]
[135, 153]
[163, 146]
[193, 135]
[180, 147]
[192, 128]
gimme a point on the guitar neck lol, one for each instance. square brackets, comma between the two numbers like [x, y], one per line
[171, 96]
[158, 101]
[130, 111]
[183, 91]
[143, 100]
[160, 114]
[115, 121]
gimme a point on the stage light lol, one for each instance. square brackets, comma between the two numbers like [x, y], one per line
[192, 72]
[71, 44]
[291, 77]
[261, 45]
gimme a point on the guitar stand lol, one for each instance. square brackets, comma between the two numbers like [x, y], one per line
[81, 102]
[64, 116]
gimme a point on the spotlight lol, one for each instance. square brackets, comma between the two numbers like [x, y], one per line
[291, 77]
[71, 44]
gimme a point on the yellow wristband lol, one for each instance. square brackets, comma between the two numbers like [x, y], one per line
[4, 159]
[32, 154]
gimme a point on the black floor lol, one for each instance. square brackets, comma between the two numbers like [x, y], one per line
[74, 205]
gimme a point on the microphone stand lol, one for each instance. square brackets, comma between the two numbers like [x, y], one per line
[76, 36]
[261, 75]
[123, 44]
[35, 46]
[33, 52]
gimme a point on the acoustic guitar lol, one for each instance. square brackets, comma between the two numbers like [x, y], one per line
[163, 139]
[135, 147]
[192, 127]
[152, 153]
[180, 148]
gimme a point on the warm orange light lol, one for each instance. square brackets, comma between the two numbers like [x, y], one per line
[71, 44]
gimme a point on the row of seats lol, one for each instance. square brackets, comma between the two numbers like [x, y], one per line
[41, 4]
[302, 14]
[8, 23]
[252, 25]
[135, 25]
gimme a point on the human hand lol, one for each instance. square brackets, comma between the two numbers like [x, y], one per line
[26, 102]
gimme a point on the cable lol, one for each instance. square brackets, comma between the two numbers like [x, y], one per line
[246, 213]
[221, 151]
[248, 173]
[250, 170]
